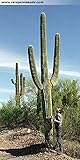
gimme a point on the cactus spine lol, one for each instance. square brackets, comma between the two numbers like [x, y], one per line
[19, 88]
[46, 84]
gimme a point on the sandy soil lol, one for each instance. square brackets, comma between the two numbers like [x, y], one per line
[27, 144]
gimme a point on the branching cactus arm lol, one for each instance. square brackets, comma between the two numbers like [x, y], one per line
[24, 85]
[55, 73]
[33, 68]
[21, 84]
[17, 80]
[13, 82]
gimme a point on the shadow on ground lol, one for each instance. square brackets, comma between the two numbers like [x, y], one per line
[30, 150]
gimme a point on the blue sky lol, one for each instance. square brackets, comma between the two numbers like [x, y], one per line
[61, 2]
[20, 26]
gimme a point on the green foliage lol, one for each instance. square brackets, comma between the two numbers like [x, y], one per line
[26, 114]
[31, 95]
[12, 115]
[67, 96]
[69, 92]
[71, 107]
[6, 114]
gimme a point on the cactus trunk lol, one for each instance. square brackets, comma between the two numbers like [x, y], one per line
[46, 92]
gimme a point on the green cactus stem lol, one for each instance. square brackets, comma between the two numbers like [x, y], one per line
[21, 84]
[17, 82]
[39, 100]
[46, 92]
[33, 67]
[13, 81]
[54, 78]
[24, 85]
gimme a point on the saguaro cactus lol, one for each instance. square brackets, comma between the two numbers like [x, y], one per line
[24, 85]
[46, 83]
[19, 85]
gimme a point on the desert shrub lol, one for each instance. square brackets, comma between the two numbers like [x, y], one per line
[12, 115]
[71, 124]
[65, 95]
[6, 114]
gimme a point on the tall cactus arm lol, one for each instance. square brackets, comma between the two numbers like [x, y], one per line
[17, 85]
[17, 79]
[24, 85]
[21, 84]
[55, 73]
[43, 38]
[46, 94]
[33, 68]
[13, 81]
